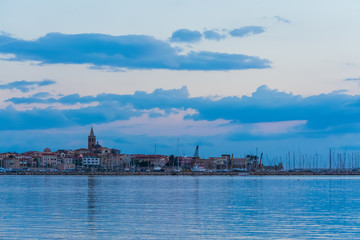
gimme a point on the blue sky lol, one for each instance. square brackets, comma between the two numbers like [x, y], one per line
[231, 76]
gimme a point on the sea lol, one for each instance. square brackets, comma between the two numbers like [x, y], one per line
[179, 207]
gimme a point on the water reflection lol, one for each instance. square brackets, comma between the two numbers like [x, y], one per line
[137, 207]
[91, 202]
[196, 195]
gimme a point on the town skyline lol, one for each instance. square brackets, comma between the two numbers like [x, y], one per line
[99, 159]
[231, 77]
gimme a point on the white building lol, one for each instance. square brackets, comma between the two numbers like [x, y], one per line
[90, 160]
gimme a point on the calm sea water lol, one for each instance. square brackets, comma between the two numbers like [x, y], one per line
[179, 207]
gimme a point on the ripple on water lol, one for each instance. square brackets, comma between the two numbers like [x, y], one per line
[179, 207]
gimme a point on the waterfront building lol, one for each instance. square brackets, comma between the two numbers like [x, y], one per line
[10, 160]
[49, 160]
[25, 161]
[147, 161]
[91, 160]
[222, 162]
[186, 162]
[244, 163]
[126, 160]
[10, 163]
[65, 160]
[109, 158]
[202, 163]
[33, 159]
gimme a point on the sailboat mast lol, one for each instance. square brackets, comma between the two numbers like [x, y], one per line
[330, 159]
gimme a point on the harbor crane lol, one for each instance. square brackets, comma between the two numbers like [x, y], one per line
[260, 160]
[196, 154]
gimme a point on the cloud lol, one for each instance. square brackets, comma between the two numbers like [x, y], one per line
[46, 82]
[172, 124]
[128, 51]
[12, 119]
[213, 35]
[352, 79]
[167, 99]
[3, 33]
[246, 31]
[26, 86]
[268, 118]
[185, 35]
[5, 38]
[41, 95]
[280, 19]
[268, 110]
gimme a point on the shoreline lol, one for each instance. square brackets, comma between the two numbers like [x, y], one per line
[282, 173]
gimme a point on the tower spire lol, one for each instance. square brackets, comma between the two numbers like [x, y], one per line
[91, 139]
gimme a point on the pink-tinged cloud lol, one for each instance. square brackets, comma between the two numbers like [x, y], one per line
[266, 128]
[173, 124]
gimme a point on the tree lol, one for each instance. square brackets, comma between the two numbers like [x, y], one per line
[171, 161]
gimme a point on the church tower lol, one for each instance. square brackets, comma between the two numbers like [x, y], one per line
[91, 140]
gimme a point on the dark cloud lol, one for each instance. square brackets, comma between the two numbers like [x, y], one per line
[4, 38]
[246, 31]
[130, 51]
[185, 35]
[25, 86]
[333, 113]
[213, 35]
[11, 119]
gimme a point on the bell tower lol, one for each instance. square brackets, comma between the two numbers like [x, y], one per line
[91, 140]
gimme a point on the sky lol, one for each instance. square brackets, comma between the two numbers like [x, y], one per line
[234, 77]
